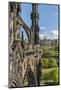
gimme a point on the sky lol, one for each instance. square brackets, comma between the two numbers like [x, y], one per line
[48, 19]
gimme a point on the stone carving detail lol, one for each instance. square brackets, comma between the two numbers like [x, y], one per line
[23, 62]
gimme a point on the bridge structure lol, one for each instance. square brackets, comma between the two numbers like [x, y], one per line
[23, 60]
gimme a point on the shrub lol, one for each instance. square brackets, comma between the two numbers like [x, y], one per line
[45, 63]
[52, 63]
[54, 74]
[50, 76]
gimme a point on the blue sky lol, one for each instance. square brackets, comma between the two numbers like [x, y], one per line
[48, 19]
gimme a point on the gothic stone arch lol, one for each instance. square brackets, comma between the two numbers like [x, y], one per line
[30, 77]
[21, 22]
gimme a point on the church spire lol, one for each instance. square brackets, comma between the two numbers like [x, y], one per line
[35, 27]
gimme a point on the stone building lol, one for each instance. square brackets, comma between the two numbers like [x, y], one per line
[23, 62]
[49, 42]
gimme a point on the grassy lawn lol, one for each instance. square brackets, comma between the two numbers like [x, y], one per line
[47, 70]
[52, 51]
[49, 76]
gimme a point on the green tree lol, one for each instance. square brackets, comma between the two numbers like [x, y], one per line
[52, 63]
[54, 74]
[45, 63]
[50, 77]
[46, 77]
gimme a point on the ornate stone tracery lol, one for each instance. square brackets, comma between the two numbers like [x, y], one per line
[21, 55]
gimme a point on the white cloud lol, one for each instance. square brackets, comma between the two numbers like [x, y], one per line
[51, 35]
[43, 27]
[41, 36]
[44, 35]
[54, 34]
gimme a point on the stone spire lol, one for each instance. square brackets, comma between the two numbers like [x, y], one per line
[22, 39]
[35, 27]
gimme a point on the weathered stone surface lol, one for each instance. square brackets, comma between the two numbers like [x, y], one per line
[23, 61]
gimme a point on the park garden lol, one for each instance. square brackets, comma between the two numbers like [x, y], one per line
[49, 66]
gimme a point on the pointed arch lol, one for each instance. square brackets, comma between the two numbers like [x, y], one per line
[30, 77]
[21, 22]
